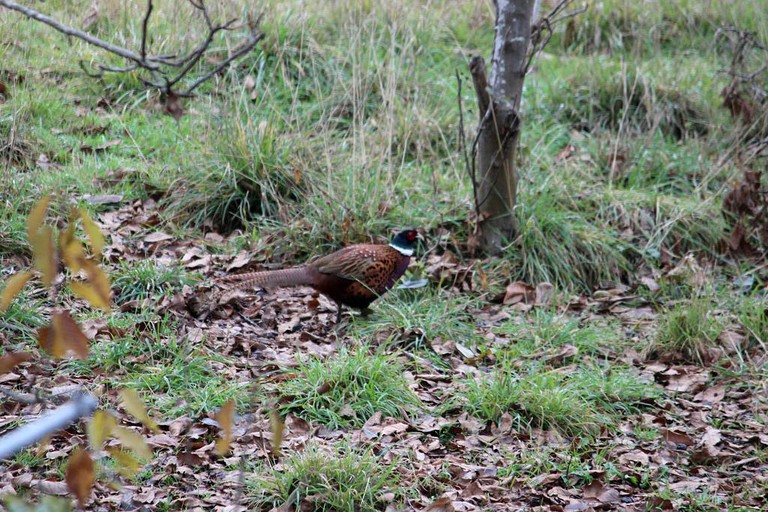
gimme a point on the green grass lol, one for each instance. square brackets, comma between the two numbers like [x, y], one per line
[349, 388]
[344, 479]
[144, 279]
[688, 332]
[416, 317]
[175, 376]
[577, 404]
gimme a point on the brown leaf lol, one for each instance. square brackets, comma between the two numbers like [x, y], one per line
[676, 438]
[11, 359]
[226, 418]
[44, 253]
[134, 405]
[13, 287]
[36, 217]
[443, 504]
[102, 291]
[519, 292]
[80, 475]
[63, 335]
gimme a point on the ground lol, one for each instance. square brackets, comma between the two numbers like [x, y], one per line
[613, 359]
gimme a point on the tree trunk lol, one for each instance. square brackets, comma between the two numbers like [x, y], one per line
[496, 180]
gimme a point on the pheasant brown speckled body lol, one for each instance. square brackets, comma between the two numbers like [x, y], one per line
[354, 276]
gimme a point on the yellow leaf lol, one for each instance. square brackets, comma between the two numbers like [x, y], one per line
[88, 293]
[226, 418]
[133, 441]
[80, 475]
[44, 253]
[13, 288]
[36, 217]
[93, 232]
[11, 359]
[135, 407]
[127, 465]
[72, 253]
[278, 426]
[99, 428]
[63, 335]
[100, 283]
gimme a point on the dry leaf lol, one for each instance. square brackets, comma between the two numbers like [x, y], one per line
[63, 335]
[134, 405]
[36, 217]
[127, 465]
[11, 359]
[80, 475]
[277, 426]
[13, 288]
[133, 441]
[44, 253]
[94, 233]
[99, 428]
[225, 417]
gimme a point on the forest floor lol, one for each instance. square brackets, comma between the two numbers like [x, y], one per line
[615, 358]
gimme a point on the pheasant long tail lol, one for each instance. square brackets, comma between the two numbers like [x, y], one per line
[297, 276]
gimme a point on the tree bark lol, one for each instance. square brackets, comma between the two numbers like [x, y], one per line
[496, 180]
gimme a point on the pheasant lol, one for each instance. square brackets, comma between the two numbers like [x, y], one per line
[353, 276]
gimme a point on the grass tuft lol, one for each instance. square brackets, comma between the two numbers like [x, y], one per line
[348, 389]
[342, 480]
[144, 279]
[687, 332]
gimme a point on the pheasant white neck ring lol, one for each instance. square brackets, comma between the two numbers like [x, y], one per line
[405, 251]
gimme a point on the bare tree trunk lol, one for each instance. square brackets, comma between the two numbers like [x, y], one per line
[496, 180]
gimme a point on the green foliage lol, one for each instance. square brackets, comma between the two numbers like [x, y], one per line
[348, 389]
[144, 279]
[688, 331]
[343, 480]
[580, 403]
[752, 314]
[419, 316]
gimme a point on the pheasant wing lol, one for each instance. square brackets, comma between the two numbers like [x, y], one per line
[354, 263]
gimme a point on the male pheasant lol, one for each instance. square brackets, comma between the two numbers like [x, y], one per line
[354, 276]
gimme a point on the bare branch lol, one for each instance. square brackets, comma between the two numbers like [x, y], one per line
[156, 66]
[480, 81]
[144, 30]
[64, 29]
[81, 404]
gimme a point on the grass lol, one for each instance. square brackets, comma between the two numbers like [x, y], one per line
[145, 279]
[343, 479]
[176, 377]
[578, 404]
[688, 332]
[350, 131]
[348, 389]
[416, 317]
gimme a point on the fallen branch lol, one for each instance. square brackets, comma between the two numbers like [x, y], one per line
[81, 404]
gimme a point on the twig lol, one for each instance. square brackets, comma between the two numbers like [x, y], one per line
[156, 65]
[95, 41]
[463, 142]
[82, 404]
[144, 30]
